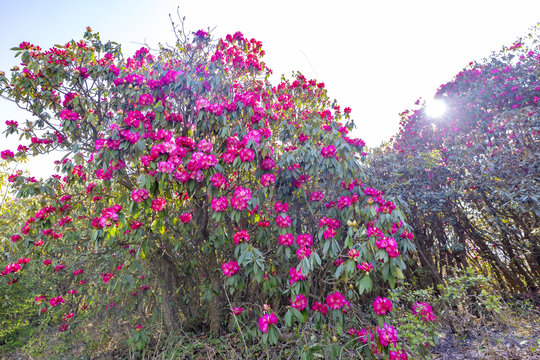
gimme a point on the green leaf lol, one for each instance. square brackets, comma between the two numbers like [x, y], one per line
[392, 281]
[385, 271]
[350, 267]
[365, 284]
[305, 266]
[298, 315]
[326, 247]
[339, 271]
[317, 258]
[287, 318]
[399, 273]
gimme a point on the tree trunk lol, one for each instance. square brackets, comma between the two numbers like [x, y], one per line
[169, 283]
[216, 303]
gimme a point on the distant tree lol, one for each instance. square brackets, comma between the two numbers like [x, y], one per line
[470, 177]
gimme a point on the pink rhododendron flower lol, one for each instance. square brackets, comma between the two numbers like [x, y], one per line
[55, 301]
[268, 179]
[220, 204]
[353, 254]
[59, 267]
[425, 311]
[69, 115]
[158, 204]
[344, 202]
[7, 154]
[387, 335]
[64, 221]
[254, 135]
[266, 320]
[389, 244]
[23, 261]
[146, 99]
[304, 240]
[246, 155]
[331, 223]
[296, 275]
[366, 266]
[299, 303]
[240, 237]
[286, 239]
[316, 196]
[336, 300]
[106, 277]
[205, 146]
[365, 336]
[237, 310]
[397, 355]
[328, 151]
[382, 306]
[303, 252]
[230, 268]
[238, 203]
[166, 167]
[329, 233]
[185, 218]
[283, 220]
[219, 181]
[281, 207]
[240, 198]
[320, 307]
[139, 195]
[268, 163]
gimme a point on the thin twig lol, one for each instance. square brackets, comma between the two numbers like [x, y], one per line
[237, 324]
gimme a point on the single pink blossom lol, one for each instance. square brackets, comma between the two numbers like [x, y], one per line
[267, 320]
[230, 268]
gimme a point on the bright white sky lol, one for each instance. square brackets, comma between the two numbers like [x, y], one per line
[377, 57]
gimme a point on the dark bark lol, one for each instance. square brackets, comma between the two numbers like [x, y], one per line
[169, 283]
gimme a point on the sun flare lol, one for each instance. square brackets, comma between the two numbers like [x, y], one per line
[435, 108]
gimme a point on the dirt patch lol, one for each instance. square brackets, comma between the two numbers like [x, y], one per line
[521, 342]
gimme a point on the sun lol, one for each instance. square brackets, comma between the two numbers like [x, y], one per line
[435, 108]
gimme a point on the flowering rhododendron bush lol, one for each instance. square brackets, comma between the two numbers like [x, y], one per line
[469, 178]
[190, 185]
